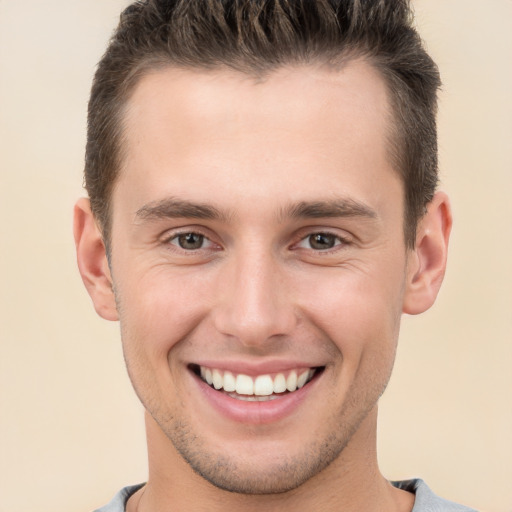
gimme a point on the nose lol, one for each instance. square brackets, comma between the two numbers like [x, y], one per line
[255, 304]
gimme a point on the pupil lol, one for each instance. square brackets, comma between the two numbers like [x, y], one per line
[190, 241]
[322, 241]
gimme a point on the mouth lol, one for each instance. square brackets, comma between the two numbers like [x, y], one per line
[258, 388]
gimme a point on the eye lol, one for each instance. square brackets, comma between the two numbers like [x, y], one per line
[320, 241]
[190, 241]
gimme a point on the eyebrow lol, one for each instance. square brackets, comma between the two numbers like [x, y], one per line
[179, 208]
[328, 209]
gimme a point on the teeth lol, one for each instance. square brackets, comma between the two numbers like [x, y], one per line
[217, 378]
[253, 398]
[261, 388]
[302, 378]
[263, 385]
[244, 385]
[291, 381]
[279, 383]
[229, 382]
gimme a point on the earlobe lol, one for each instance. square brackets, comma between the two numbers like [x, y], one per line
[92, 260]
[427, 262]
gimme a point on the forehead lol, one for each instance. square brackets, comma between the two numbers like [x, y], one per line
[185, 127]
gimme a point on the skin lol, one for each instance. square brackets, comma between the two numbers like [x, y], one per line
[251, 154]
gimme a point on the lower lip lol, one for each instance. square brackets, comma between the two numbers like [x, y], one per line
[255, 413]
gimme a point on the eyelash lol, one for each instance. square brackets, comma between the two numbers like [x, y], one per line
[338, 241]
[176, 236]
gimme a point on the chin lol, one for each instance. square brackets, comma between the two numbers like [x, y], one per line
[258, 470]
[276, 478]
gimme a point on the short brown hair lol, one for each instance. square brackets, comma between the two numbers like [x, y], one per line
[257, 36]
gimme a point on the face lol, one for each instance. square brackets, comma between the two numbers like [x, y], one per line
[257, 248]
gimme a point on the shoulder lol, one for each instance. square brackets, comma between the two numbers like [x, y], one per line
[118, 502]
[426, 500]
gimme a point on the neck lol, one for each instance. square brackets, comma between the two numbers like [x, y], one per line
[351, 482]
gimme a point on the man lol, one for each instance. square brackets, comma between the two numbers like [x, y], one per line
[262, 210]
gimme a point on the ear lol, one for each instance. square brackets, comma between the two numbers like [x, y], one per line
[92, 260]
[427, 262]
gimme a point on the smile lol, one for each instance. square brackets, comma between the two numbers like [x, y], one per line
[258, 388]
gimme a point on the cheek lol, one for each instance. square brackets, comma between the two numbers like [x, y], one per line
[358, 310]
[159, 308]
[157, 312]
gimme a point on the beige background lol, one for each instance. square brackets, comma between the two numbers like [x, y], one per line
[71, 430]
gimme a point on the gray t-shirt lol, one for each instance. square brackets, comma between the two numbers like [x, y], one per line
[425, 501]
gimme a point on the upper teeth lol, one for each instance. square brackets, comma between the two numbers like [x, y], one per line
[262, 385]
